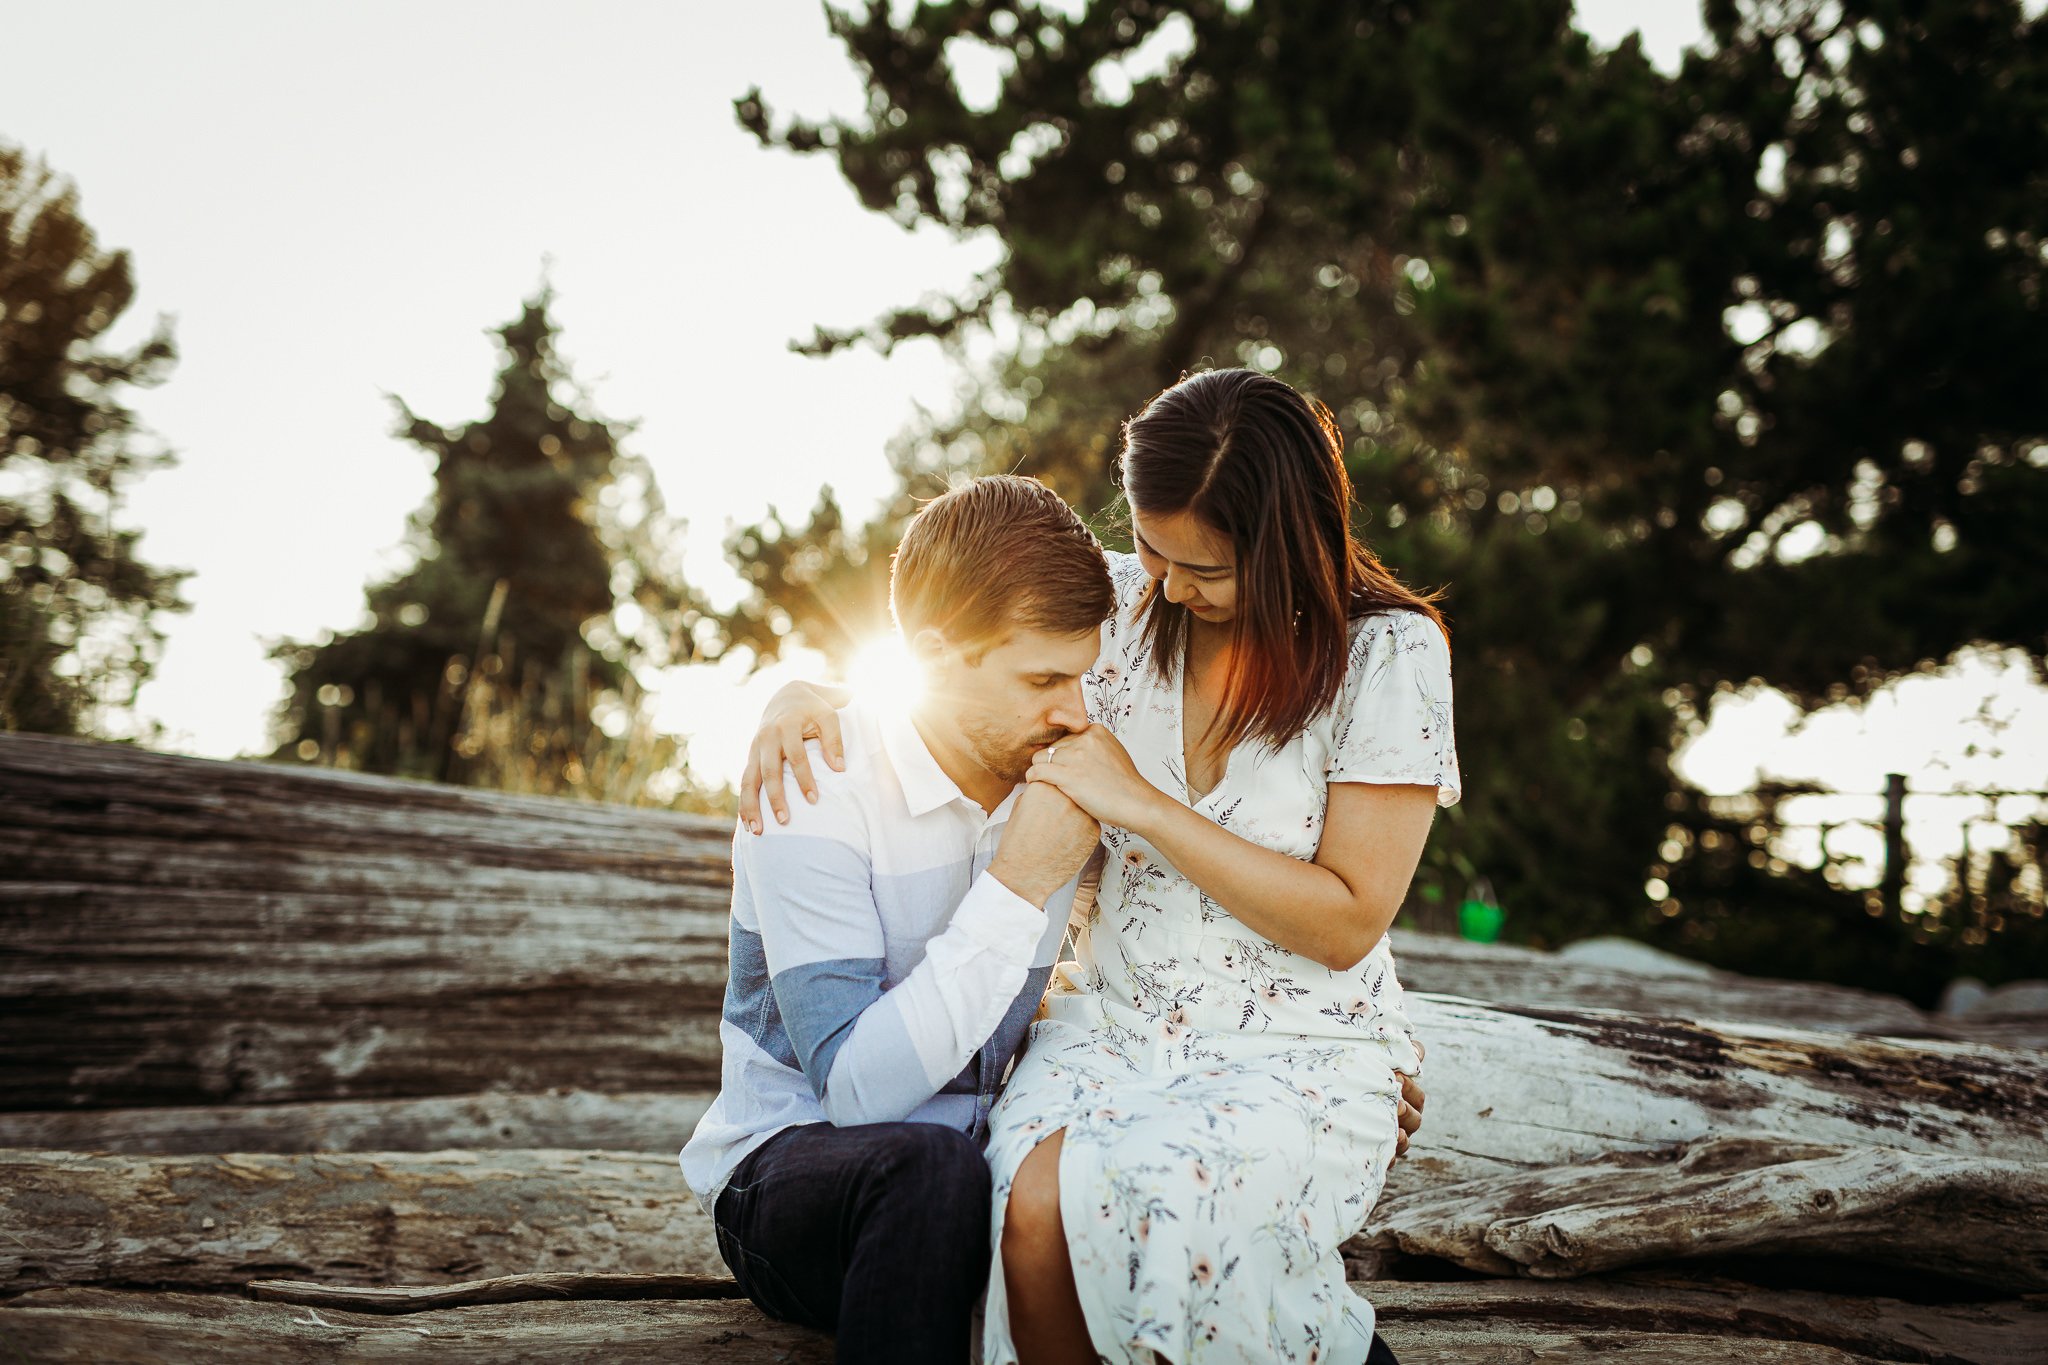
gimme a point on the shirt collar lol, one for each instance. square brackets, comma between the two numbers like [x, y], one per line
[925, 784]
[1002, 811]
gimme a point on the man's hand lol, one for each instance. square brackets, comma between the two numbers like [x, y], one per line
[1096, 772]
[1410, 1115]
[1045, 843]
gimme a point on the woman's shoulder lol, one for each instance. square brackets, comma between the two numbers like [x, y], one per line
[1393, 721]
[1389, 633]
[1126, 575]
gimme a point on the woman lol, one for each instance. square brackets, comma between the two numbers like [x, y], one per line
[1206, 1109]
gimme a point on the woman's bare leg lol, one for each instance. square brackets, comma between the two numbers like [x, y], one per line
[1045, 1310]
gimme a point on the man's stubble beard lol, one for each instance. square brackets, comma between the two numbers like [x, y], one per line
[1005, 758]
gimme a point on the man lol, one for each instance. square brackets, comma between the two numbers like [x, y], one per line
[892, 939]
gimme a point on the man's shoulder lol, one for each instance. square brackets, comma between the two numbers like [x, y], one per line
[867, 760]
[848, 798]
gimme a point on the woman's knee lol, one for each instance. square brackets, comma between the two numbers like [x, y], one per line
[1032, 1217]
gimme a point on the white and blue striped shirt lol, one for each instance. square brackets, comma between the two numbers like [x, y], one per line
[877, 971]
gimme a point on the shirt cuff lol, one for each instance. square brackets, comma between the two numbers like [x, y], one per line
[1000, 920]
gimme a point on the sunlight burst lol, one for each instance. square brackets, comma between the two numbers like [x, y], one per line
[883, 674]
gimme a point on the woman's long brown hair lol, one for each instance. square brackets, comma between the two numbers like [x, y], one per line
[1264, 465]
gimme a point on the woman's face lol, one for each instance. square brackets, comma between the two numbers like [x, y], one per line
[1192, 560]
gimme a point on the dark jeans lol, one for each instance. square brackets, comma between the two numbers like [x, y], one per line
[878, 1233]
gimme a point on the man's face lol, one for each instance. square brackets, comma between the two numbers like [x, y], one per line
[1017, 697]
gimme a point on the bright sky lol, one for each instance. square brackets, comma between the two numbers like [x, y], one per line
[335, 201]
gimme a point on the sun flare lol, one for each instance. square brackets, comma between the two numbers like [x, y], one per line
[883, 674]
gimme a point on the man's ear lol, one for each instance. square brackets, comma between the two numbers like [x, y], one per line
[928, 646]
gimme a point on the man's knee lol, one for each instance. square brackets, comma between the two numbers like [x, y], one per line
[937, 1170]
[934, 1157]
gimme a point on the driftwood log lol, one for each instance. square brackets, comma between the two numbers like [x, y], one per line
[104, 1327]
[1639, 1142]
[178, 931]
[1629, 1321]
[637, 1122]
[390, 1218]
[266, 1021]
[1966, 1218]
[550, 1288]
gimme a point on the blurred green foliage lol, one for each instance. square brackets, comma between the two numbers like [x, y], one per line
[546, 591]
[1677, 382]
[77, 603]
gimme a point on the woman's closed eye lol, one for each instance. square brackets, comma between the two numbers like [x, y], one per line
[1152, 557]
[1147, 555]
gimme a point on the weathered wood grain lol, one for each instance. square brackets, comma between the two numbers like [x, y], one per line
[1601, 1082]
[336, 967]
[1636, 1322]
[635, 1122]
[1521, 1100]
[557, 1287]
[1645, 1318]
[1508, 975]
[420, 1218]
[1576, 1087]
[183, 931]
[1515, 1089]
[180, 932]
[103, 1327]
[1966, 1218]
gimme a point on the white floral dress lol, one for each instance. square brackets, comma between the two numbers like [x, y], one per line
[1229, 1105]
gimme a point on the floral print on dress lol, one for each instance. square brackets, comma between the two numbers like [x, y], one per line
[1229, 1105]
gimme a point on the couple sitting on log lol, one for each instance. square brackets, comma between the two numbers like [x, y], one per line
[1211, 766]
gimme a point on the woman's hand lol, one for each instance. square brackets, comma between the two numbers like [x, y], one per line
[1093, 769]
[799, 711]
[1409, 1110]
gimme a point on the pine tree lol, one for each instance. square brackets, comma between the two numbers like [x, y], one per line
[78, 634]
[1601, 341]
[547, 590]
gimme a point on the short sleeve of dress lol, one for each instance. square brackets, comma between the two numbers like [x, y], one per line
[1108, 690]
[1393, 716]
[1128, 577]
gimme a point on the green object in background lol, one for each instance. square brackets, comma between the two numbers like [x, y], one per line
[1479, 917]
[1480, 922]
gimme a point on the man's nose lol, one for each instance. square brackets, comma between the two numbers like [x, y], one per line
[1070, 712]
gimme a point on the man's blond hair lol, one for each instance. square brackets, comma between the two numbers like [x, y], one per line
[995, 555]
